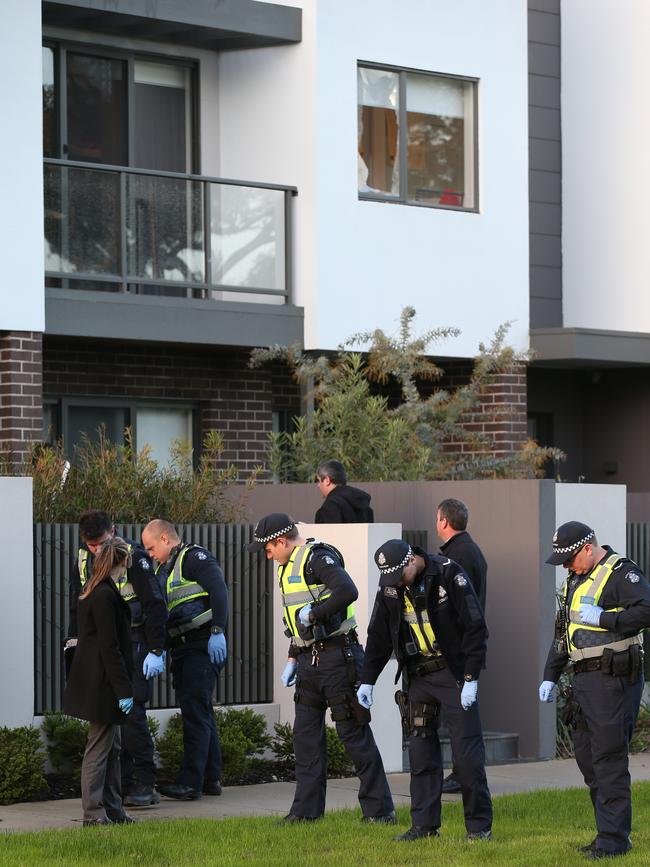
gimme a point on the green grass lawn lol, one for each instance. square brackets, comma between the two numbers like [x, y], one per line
[539, 828]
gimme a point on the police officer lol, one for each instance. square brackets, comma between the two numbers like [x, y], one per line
[324, 660]
[457, 544]
[427, 613]
[603, 608]
[139, 588]
[197, 602]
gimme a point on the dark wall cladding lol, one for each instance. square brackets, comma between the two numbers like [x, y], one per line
[545, 166]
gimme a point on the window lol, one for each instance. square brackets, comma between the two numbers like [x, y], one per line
[152, 424]
[417, 138]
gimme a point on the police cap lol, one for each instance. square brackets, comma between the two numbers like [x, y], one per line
[391, 558]
[569, 538]
[268, 528]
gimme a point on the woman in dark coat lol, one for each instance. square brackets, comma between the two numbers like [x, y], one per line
[99, 686]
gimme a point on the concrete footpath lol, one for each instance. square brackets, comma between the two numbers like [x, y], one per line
[274, 799]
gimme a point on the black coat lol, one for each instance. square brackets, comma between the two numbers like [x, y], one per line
[454, 614]
[102, 666]
[345, 505]
[463, 550]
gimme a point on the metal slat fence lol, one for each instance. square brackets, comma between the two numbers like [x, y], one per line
[638, 549]
[246, 677]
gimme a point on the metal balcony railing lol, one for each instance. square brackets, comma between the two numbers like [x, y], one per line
[111, 228]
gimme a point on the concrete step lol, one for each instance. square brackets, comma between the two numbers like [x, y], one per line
[500, 748]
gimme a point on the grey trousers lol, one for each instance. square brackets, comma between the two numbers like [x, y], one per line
[101, 793]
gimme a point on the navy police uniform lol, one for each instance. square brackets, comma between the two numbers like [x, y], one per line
[148, 616]
[438, 634]
[607, 683]
[329, 660]
[203, 607]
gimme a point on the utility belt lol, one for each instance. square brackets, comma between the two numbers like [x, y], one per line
[200, 633]
[346, 640]
[425, 665]
[625, 663]
[589, 652]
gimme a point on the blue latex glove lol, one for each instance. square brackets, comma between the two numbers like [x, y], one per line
[217, 648]
[153, 665]
[468, 694]
[126, 705]
[288, 676]
[364, 695]
[590, 614]
[303, 614]
[546, 688]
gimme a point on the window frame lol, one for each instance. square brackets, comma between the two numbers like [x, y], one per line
[402, 132]
[61, 47]
[131, 406]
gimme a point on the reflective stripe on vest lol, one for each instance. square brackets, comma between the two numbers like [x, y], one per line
[581, 635]
[410, 617]
[179, 590]
[296, 593]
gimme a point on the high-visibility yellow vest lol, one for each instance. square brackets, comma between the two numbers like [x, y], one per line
[181, 591]
[584, 640]
[421, 634]
[124, 586]
[296, 593]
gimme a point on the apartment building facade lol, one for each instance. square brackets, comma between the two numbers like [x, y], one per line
[187, 180]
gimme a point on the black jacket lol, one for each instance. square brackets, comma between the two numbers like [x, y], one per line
[345, 505]
[454, 613]
[463, 550]
[201, 566]
[103, 663]
[325, 566]
[142, 577]
[627, 588]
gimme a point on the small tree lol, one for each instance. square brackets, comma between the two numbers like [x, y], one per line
[427, 436]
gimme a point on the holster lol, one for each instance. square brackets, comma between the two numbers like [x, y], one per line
[571, 714]
[425, 718]
[345, 706]
[402, 702]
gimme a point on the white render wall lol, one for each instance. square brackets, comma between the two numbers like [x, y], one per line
[21, 214]
[605, 170]
[289, 115]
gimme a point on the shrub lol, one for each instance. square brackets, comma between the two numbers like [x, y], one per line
[21, 765]
[65, 741]
[282, 743]
[640, 742]
[170, 749]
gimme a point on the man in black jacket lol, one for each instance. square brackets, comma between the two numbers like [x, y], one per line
[343, 503]
[139, 588]
[324, 662]
[604, 607]
[197, 602]
[427, 613]
[458, 545]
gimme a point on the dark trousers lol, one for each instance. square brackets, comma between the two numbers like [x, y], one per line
[425, 756]
[610, 706]
[100, 773]
[138, 768]
[332, 678]
[194, 678]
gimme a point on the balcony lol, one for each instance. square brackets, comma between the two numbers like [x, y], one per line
[176, 241]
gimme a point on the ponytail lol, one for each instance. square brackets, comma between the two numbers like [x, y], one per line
[112, 557]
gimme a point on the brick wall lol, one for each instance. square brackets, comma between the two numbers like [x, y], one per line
[229, 397]
[21, 403]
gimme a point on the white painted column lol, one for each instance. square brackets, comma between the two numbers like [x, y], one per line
[17, 609]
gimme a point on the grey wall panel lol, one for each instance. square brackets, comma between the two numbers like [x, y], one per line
[545, 163]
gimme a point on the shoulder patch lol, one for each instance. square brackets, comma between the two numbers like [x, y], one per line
[329, 560]
[201, 555]
[633, 578]
[390, 591]
[145, 563]
[461, 580]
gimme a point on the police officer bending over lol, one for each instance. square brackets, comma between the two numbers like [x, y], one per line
[426, 611]
[324, 660]
[197, 602]
[603, 608]
[139, 588]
